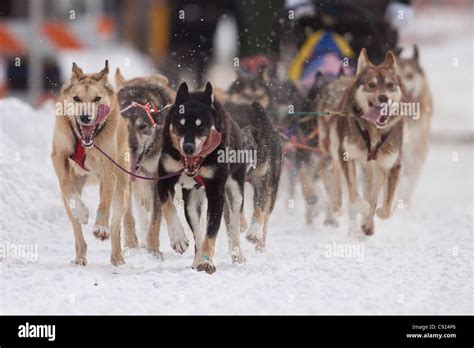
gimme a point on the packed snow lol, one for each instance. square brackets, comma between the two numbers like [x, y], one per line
[419, 261]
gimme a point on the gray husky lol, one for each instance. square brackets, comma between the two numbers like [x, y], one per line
[145, 149]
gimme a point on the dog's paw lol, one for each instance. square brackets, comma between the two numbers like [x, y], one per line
[368, 228]
[80, 261]
[254, 233]
[197, 259]
[331, 222]
[80, 211]
[101, 232]
[237, 255]
[260, 247]
[155, 251]
[178, 240]
[117, 259]
[383, 213]
[205, 265]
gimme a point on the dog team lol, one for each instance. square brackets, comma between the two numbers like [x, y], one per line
[146, 144]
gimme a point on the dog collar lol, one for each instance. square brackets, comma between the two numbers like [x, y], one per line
[79, 155]
[192, 164]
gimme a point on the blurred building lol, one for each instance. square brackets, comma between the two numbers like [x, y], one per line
[34, 32]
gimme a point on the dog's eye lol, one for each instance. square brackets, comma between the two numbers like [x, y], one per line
[77, 99]
[142, 127]
[96, 99]
[390, 85]
[409, 76]
[371, 85]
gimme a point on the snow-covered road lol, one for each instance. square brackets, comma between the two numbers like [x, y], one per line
[420, 261]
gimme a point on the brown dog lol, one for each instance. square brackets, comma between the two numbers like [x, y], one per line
[145, 148]
[366, 133]
[88, 115]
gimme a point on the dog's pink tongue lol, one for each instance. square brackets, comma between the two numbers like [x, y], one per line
[372, 114]
[102, 112]
[88, 132]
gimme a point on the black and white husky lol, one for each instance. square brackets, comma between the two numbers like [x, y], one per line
[196, 130]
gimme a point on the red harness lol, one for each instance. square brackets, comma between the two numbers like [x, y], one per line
[79, 155]
[193, 163]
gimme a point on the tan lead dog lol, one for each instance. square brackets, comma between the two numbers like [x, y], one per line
[87, 114]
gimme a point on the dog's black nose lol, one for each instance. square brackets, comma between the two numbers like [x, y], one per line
[383, 98]
[189, 148]
[86, 118]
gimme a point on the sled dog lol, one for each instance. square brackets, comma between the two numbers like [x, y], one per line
[145, 148]
[259, 136]
[363, 134]
[196, 129]
[92, 120]
[417, 127]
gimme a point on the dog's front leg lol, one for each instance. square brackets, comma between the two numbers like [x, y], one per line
[356, 203]
[178, 240]
[192, 210]
[330, 175]
[374, 178]
[75, 209]
[153, 236]
[215, 206]
[309, 191]
[68, 189]
[393, 178]
[234, 204]
[101, 227]
[131, 239]
[119, 201]
[255, 231]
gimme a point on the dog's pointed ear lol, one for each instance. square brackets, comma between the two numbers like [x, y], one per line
[390, 61]
[207, 97]
[77, 72]
[119, 79]
[363, 61]
[103, 74]
[182, 94]
[416, 54]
